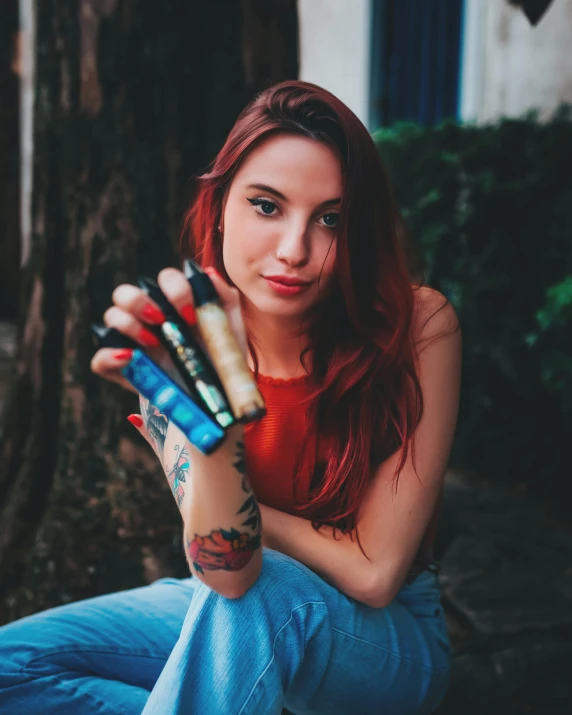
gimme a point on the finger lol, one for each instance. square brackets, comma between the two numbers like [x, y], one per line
[126, 323]
[139, 423]
[107, 363]
[229, 296]
[178, 292]
[135, 301]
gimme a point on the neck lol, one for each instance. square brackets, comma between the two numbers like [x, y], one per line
[278, 343]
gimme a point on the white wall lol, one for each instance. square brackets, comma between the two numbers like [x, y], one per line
[509, 66]
[335, 49]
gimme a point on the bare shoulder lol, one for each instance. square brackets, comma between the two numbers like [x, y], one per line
[434, 315]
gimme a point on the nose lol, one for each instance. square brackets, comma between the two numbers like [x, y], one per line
[293, 246]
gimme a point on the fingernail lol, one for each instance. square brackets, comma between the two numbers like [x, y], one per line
[153, 315]
[135, 420]
[188, 313]
[125, 354]
[148, 339]
[213, 270]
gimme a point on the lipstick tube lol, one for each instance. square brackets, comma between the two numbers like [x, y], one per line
[188, 357]
[155, 385]
[241, 390]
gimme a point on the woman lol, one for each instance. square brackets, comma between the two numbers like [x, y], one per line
[326, 599]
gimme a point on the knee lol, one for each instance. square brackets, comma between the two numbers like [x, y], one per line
[17, 648]
[282, 575]
[32, 645]
[282, 581]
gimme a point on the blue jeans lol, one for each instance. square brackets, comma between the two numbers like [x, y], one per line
[177, 646]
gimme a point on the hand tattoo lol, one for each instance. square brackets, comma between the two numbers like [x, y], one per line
[156, 423]
[178, 474]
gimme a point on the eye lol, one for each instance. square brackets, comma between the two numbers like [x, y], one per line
[265, 206]
[331, 220]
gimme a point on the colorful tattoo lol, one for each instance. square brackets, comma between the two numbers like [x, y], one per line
[178, 474]
[229, 550]
[222, 550]
[156, 423]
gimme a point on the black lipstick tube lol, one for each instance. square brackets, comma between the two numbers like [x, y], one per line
[189, 359]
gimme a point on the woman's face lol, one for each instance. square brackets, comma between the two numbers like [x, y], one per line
[279, 225]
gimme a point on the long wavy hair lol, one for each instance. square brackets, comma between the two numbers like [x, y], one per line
[367, 400]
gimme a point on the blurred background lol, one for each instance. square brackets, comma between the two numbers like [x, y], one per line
[109, 107]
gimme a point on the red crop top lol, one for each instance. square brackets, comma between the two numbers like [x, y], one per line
[272, 449]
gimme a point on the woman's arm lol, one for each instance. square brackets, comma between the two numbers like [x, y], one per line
[338, 561]
[222, 526]
[391, 522]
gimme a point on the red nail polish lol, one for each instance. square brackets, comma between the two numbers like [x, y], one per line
[213, 270]
[124, 354]
[153, 315]
[148, 339]
[188, 313]
[135, 420]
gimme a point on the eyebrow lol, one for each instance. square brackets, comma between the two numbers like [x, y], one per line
[280, 195]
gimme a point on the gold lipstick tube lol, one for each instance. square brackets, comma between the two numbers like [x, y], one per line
[216, 334]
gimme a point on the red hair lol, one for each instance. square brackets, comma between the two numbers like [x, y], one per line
[368, 400]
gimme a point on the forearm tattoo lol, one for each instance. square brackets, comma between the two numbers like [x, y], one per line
[240, 465]
[229, 549]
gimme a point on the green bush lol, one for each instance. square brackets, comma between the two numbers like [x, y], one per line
[490, 213]
[554, 334]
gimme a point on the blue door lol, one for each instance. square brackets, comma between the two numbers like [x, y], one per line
[416, 48]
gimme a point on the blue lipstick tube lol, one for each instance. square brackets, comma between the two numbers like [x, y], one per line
[156, 386]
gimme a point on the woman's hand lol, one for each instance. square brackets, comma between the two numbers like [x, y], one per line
[133, 312]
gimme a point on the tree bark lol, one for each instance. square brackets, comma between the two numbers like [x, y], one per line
[132, 99]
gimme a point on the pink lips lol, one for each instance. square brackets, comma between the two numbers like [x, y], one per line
[286, 285]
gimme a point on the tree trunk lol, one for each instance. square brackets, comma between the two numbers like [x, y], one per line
[131, 99]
